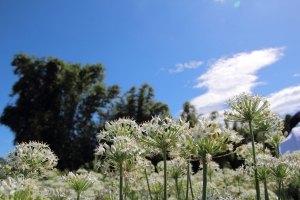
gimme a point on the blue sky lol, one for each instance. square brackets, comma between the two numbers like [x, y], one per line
[203, 51]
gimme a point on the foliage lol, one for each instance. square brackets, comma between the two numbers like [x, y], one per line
[189, 114]
[55, 103]
[139, 106]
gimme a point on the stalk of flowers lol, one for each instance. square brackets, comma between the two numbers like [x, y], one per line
[117, 155]
[249, 108]
[239, 177]
[209, 140]
[281, 168]
[134, 174]
[156, 184]
[264, 172]
[31, 159]
[119, 145]
[273, 124]
[184, 152]
[212, 167]
[275, 139]
[176, 168]
[162, 136]
[79, 182]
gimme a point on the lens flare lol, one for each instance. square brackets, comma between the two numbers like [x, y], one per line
[237, 4]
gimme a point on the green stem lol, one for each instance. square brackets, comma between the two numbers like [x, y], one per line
[264, 145]
[165, 174]
[277, 151]
[78, 195]
[148, 184]
[282, 190]
[204, 176]
[177, 188]
[266, 190]
[239, 187]
[190, 180]
[279, 190]
[121, 182]
[187, 181]
[254, 161]
[126, 190]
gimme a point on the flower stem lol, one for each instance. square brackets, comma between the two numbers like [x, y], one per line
[204, 176]
[121, 182]
[148, 184]
[191, 185]
[187, 181]
[264, 145]
[177, 188]
[254, 161]
[279, 190]
[165, 174]
[266, 190]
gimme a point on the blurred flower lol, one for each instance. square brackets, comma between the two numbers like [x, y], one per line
[31, 158]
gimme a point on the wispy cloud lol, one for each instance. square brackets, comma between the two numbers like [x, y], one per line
[285, 101]
[219, 0]
[190, 65]
[228, 77]
[296, 75]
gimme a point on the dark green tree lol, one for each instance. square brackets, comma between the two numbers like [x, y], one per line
[139, 106]
[287, 121]
[189, 114]
[56, 103]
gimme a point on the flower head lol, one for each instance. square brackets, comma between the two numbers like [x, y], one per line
[247, 107]
[31, 158]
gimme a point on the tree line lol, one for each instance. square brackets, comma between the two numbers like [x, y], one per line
[66, 104]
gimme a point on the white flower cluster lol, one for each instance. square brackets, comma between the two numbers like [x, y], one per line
[245, 151]
[211, 138]
[164, 134]
[18, 187]
[31, 158]
[247, 107]
[175, 167]
[79, 182]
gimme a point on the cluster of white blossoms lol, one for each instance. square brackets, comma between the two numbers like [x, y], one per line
[245, 107]
[163, 135]
[211, 138]
[176, 167]
[245, 151]
[79, 182]
[19, 188]
[31, 158]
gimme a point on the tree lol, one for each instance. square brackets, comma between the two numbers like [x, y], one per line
[286, 122]
[139, 106]
[189, 114]
[55, 102]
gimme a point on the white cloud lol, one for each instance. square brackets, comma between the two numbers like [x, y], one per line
[285, 101]
[219, 0]
[296, 75]
[190, 65]
[228, 77]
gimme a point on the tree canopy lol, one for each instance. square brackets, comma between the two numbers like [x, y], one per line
[139, 106]
[55, 102]
[58, 103]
